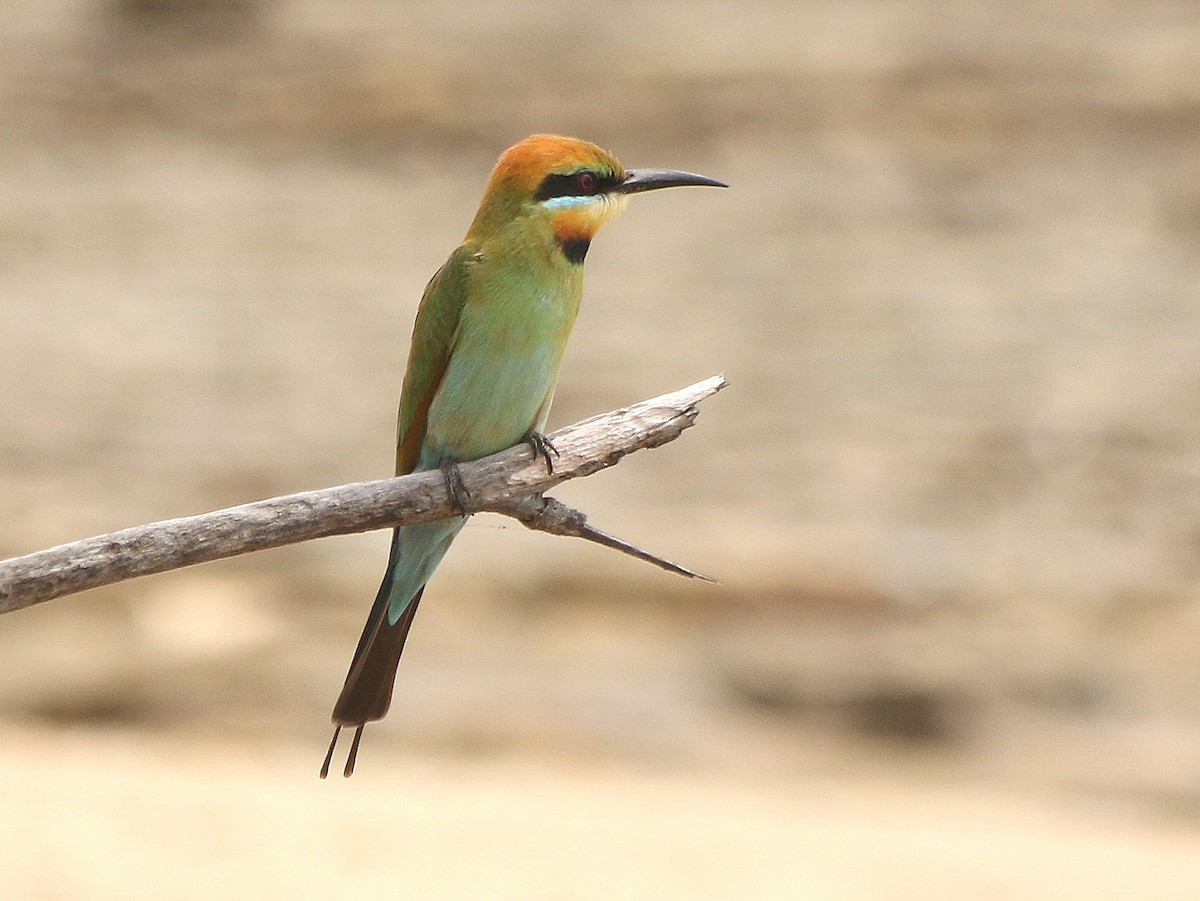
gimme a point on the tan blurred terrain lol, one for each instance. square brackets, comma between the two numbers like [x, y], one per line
[953, 494]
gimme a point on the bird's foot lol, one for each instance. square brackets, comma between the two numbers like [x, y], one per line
[459, 495]
[543, 447]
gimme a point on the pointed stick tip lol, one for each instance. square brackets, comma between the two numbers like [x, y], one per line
[691, 574]
[591, 533]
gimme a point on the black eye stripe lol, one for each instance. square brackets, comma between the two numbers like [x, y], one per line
[576, 184]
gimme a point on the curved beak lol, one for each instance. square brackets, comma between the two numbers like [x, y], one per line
[638, 180]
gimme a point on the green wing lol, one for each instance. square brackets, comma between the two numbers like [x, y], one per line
[432, 343]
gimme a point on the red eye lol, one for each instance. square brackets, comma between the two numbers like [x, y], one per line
[587, 182]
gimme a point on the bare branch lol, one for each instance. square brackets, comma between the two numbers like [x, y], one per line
[495, 483]
[545, 514]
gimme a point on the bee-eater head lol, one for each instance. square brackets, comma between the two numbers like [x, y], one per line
[569, 186]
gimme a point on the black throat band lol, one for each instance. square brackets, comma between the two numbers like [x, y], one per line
[574, 249]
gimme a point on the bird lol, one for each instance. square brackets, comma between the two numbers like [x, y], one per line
[490, 334]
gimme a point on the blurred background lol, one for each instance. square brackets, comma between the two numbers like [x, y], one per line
[952, 494]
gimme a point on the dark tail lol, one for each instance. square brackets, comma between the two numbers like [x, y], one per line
[367, 693]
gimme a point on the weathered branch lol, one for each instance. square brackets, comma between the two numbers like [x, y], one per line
[545, 514]
[508, 482]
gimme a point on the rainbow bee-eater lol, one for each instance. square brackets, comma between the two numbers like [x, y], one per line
[489, 337]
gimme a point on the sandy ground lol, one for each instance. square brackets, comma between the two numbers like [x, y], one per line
[205, 821]
[951, 495]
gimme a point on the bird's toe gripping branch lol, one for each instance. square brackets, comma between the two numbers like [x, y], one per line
[543, 447]
[459, 495]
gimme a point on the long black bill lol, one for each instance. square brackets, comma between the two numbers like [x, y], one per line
[638, 180]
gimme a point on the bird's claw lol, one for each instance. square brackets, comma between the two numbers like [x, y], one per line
[459, 495]
[543, 447]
